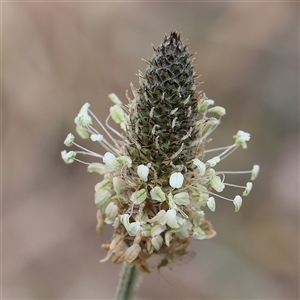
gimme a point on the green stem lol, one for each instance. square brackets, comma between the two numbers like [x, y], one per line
[128, 282]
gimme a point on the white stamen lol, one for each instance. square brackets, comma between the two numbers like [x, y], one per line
[176, 180]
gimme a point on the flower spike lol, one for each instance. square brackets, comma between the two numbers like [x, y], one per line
[158, 175]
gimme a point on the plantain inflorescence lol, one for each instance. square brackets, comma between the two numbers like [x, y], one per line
[157, 178]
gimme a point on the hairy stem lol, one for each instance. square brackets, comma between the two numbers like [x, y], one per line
[128, 282]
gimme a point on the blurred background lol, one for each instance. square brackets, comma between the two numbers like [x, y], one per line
[58, 55]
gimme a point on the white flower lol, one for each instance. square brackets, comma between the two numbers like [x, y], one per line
[198, 233]
[146, 229]
[182, 231]
[213, 161]
[97, 168]
[157, 229]
[241, 138]
[218, 110]
[157, 242]
[124, 160]
[159, 218]
[171, 218]
[237, 201]
[115, 99]
[204, 104]
[248, 188]
[119, 185]
[182, 198]
[200, 165]
[69, 140]
[216, 182]
[105, 184]
[198, 217]
[110, 160]
[143, 172]
[254, 172]
[117, 114]
[139, 196]
[83, 120]
[157, 194]
[211, 123]
[176, 180]
[111, 211]
[168, 238]
[68, 157]
[211, 203]
[132, 228]
[102, 197]
[96, 137]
